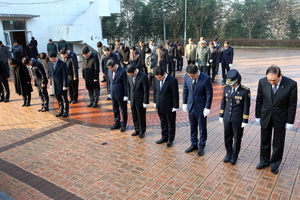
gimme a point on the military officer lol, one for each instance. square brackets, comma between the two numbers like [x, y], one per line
[234, 114]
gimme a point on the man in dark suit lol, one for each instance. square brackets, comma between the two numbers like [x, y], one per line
[117, 90]
[4, 87]
[90, 73]
[125, 55]
[166, 101]
[40, 81]
[276, 105]
[179, 58]
[135, 58]
[58, 75]
[226, 59]
[172, 53]
[162, 57]
[72, 75]
[197, 98]
[138, 98]
[142, 50]
[214, 59]
[234, 114]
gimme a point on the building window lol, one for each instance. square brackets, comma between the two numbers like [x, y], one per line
[14, 25]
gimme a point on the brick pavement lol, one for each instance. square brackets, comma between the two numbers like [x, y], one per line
[43, 157]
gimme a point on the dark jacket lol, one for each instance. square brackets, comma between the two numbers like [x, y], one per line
[21, 79]
[90, 71]
[136, 61]
[58, 77]
[3, 72]
[51, 48]
[162, 57]
[167, 97]
[226, 56]
[38, 73]
[117, 87]
[138, 93]
[61, 45]
[72, 69]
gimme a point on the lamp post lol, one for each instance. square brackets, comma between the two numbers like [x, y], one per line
[164, 19]
[185, 13]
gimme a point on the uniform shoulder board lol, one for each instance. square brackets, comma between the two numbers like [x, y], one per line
[245, 87]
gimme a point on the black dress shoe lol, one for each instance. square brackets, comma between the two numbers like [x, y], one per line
[233, 161]
[59, 115]
[135, 133]
[27, 105]
[162, 140]
[89, 105]
[274, 170]
[40, 110]
[190, 149]
[142, 135]
[108, 98]
[6, 100]
[65, 115]
[123, 128]
[200, 152]
[51, 95]
[1, 100]
[103, 81]
[44, 110]
[94, 105]
[169, 144]
[115, 126]
[71, 101]
[74, 101]
[261, 166]
[227, 159]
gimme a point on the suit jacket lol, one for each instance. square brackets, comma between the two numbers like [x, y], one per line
[180, 51]
[202, 96]
[136, 61]
[90, 71]
[3, 72]
[117, 87]
[58, 77]
[142, 51]
[281, 107]
[235, 107]
[215, 56]
[162, 57]
[226, 56]
[189, 53]
[138, 93]
[38, 73]
[167, 97]
[72, 69]
[172, 51]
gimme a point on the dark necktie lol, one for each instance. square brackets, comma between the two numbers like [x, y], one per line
[194, 84]
[161, 84]
[233, 91]
[275, 89]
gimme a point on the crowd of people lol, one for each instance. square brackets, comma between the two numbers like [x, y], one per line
[131, 72]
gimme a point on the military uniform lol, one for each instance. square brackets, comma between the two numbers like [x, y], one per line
[234, 112]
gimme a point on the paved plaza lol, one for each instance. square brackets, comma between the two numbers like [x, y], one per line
[45, 157]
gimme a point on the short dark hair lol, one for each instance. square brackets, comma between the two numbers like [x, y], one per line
[142, 41]
[106, 49]
[30, 45]
[43, 55]
[159, 71]
[160, 46]
[0, 42]
[176, 42]
[122, 46]
[99, 44]
[13, 61]
[148, 50]
[15, 41]
[63, 51]
[133, 48]
[117, 40]
[192, 69]
[112, 47]
[274, 70]
[85, 50]
[191, 39]
[52, 55]
[130, 69]
[226, 42]
[168, 42]
[25, 60]
[110, 63]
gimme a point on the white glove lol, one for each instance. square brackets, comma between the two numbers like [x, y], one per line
[145, 105]
[221, 120]
[244, 125]
[211, 60]
[50, 86]
[125, 98]
[230, 65]
[65, 88]
[207, 64]
[257, 120]
[288, 126]
[196, 64]
[154, 105]
[184, 107]
[109, 96]
[175, 109]
[206, 112]
[128, 102]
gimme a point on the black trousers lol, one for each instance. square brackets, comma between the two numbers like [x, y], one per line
[27, 99]
[73, 90]
[168, 125]
[278, 145]
[179, 64]
[4, 90]
[63, 102]
[117, 107]
[233, 134]
[225, 69]
[191, 62]
[139, 119]
[94, 95]
[43, 94]
[171, 67]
